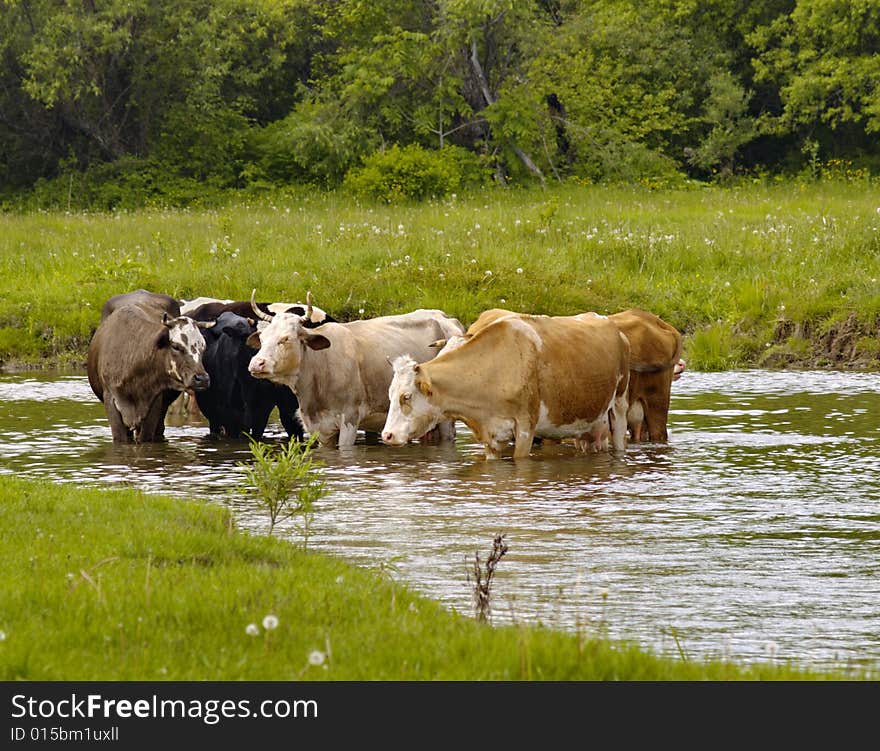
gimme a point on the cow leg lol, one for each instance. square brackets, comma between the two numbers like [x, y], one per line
[618, 422]
[347, 434]
[118, 429]
[152, 427]
[446, 429]
[655, 419]
[493, 451]
[525, 434]
[657, 412]
[292, 424]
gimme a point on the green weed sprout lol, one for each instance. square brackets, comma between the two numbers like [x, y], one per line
[287, 481]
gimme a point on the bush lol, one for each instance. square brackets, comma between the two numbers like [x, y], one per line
[127, 183]
[414, 173]
[314, 145]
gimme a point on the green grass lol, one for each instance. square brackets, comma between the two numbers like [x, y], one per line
[121, 585]
[732, 268]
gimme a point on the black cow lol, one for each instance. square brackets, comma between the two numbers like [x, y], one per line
[211, 310]
[141, 356]
[236, 402]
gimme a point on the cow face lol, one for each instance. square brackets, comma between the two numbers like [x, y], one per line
[281, 345]
[411, 413]
[184, 344]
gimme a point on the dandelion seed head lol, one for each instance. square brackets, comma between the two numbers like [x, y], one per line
[252, 629]
[316, 657]
[270, 622]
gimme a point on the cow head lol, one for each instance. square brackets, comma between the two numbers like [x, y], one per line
[280, 345]
[411, 413]
[182, 338]
[233, 325]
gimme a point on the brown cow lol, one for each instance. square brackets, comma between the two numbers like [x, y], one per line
[519, 377]
[655, 362]
[140, 357]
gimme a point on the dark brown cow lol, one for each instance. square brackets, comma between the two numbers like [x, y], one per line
[143, 299]
[140, 357]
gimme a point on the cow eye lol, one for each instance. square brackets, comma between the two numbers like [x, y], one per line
[405, 405]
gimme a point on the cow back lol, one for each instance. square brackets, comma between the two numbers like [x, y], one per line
[654, 343]
[154, 302]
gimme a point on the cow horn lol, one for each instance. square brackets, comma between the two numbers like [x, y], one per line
[309, 305]
[438, 344]
[259, 313]
[205, 324]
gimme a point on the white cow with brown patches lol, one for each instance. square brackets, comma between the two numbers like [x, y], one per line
[519, 377]
[340, 372]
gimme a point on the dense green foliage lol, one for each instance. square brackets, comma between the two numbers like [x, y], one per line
[120, 585]
[235, 93]
[762, 274]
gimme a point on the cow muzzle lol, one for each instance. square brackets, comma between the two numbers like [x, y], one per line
[257, 367]
[200, 382]
[389, 438]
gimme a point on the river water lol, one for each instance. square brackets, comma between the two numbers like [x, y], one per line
[753, 535]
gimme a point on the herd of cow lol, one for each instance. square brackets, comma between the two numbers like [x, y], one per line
[510, 377]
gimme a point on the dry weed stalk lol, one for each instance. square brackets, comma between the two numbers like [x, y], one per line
[483, 577]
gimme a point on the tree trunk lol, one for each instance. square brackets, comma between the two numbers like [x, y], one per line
[483, 83]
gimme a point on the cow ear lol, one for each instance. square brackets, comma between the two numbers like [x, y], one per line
[253, 341]
[163, 338]
[317, 341]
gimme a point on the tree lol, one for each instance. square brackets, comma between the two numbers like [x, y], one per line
[726, 113]
[822, 58]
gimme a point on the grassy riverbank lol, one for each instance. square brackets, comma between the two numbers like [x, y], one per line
[121, 585]
[782, 274]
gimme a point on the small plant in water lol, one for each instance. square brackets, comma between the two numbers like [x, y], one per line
[286, 481]
[483, 577]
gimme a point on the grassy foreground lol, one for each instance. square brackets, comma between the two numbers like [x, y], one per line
[121, 585]
[757, 274]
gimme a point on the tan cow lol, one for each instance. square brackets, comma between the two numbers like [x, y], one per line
[519, 377]
[655, 362]
[340, 372]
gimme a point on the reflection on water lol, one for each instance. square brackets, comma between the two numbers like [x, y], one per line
[754, 534]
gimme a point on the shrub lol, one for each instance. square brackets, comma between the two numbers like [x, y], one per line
[286, 481]
[315, 145]
[414, 173]
[127, 183]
